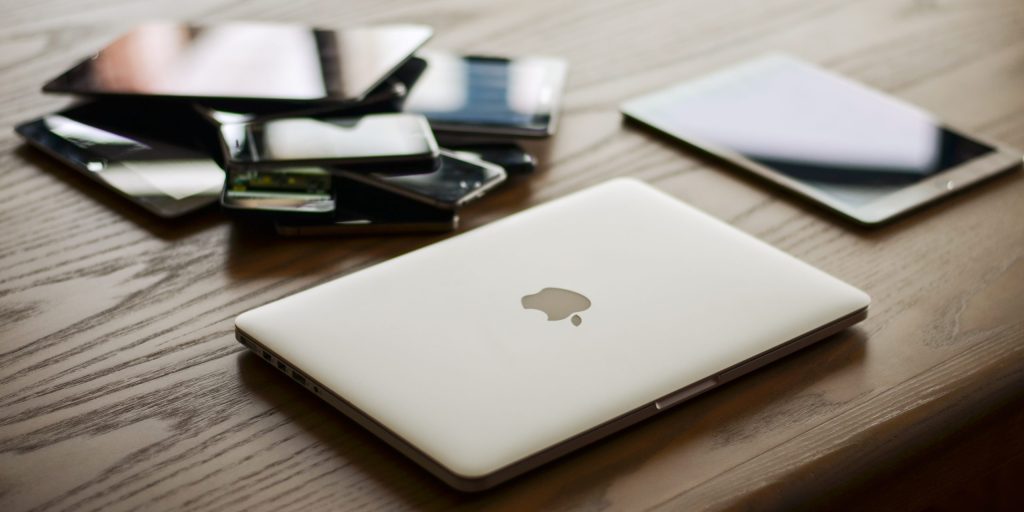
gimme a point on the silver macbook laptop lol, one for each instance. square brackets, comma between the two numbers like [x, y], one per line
[488, 354]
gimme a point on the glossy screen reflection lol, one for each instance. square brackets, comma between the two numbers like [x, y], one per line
[168, 176]
[341, 141]
[844, 139]
[488, 92]
[454, 180]
[245, 61]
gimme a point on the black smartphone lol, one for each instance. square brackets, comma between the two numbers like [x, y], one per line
[162, 165]
[517, 97]
[362, 210]
[458, 180]
[395, 143]
[510, 157]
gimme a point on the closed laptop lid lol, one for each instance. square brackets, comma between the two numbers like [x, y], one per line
[442, 348]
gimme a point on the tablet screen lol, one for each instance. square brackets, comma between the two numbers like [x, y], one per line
[491, 93]
[162, 169]
[245, 61]
[846, 140]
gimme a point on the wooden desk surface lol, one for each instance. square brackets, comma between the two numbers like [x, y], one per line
[121, 385]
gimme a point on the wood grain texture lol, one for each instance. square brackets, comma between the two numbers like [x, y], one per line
[121, 386]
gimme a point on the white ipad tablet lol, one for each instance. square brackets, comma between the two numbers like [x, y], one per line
[490, 353]
[855, 150]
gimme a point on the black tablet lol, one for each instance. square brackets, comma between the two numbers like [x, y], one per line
[245, 61]
[162, 166]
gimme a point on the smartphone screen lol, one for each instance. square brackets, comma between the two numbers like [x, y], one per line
[458, 180]
[403, 141]
[248, 61]
[516, 97]
[386, 97]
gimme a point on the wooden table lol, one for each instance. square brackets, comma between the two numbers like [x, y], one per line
[122, 387]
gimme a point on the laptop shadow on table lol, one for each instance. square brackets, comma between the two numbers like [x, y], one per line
[737, 412]
[165, 229]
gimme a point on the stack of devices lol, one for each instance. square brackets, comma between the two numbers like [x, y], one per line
[313, 130]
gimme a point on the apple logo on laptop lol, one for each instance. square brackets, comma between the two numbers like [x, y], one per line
[558, 304]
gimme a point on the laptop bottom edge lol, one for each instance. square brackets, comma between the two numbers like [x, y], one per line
[514, 469]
